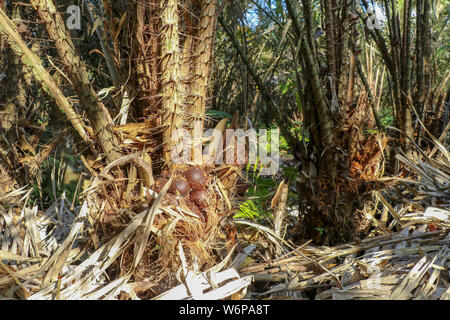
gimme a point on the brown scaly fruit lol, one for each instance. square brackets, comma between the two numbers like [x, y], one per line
[196, 178]
[199, 198]
[179, 186]
[197, 211]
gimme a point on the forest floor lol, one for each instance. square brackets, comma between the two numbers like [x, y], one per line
[405, 254]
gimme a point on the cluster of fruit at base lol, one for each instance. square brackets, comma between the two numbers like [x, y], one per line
[189, 184]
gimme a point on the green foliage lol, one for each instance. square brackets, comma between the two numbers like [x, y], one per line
[371, 131]
[297, 130]
[218, 114]
[283, 144]
[290, 86]
[321, 230]
[258, 196]
[249, 210]
[290, 173]
[387, 117]
[287, 86]
[253, 208]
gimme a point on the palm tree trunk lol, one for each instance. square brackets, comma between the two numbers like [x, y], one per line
[172, 102]
[96, 112]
